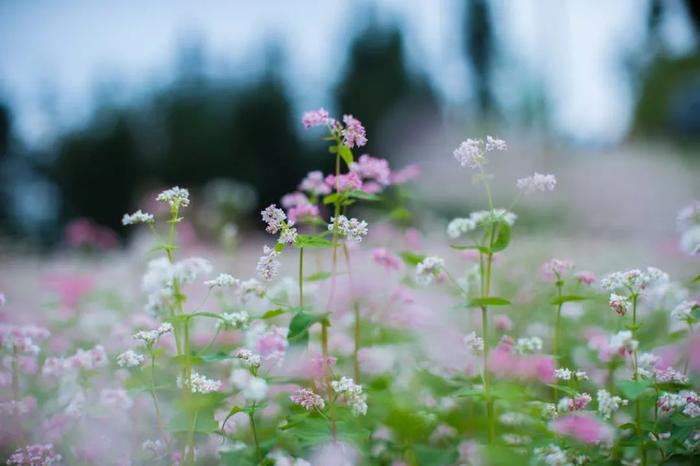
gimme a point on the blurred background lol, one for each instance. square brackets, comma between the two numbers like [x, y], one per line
[103, 103]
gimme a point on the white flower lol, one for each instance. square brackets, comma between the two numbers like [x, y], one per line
[175, 196]
[684, 311]
[288, 236]
[495, 144]
[353, 229]
[352, 393]
[528, 345]
[537, 182]
[137, 217]
[619, 304]
[633, 281]
[608, 404]
[428, 269]
[201, 384]
[563, 373]
[268, 265]
[251, 359]
[470, 153]
[458, 226]
[552, 455]
[233, 320]
[274, 217]
[222, 280]
[486, 217]
[255, 390]
[622, 342]
[130, 358]
[474, 343]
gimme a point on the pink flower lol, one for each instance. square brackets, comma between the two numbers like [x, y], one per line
[294, 199]
[554, 269]
[354, 133]
[314, 184]
[373, 169]
[315, 118]
[504, 362]
[502, 322]
[302, 212]
[585, 277]
[386, 259]
[272, 343]
[83, 232]
[405, 174]
[582, 427]
[348, 182]
[307, 399]
[35, 455]
[71, 287]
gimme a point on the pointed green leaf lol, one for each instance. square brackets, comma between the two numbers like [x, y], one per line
[489, 301]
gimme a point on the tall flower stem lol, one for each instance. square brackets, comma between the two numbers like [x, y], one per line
[356, 349]
[254, 430]
[557, 330]
[159, 418]
[327, 376]
[485, 331]
[301, 277]
[635, 376]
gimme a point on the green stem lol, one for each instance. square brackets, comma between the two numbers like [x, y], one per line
[637, 403]
[159, 419]
[356, 350]
[327, 376]
[487, 375]
[557, 333]
[189, 448]
[258, 452]
[301, 277]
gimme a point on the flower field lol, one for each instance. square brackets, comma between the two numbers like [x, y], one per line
[346, 336]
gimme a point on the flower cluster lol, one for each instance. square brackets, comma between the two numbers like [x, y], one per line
[307, 399]
[201, 384]
[268, 265]
[353, 229]
[459, 226]
[537, 182]
[428, 269]
[136, 218]
[176, 197]
[352, 394]
[151, 337]
[130, 358]
[472, 152]
[35, 455]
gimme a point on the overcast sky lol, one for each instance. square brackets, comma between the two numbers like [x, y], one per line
[54, 52]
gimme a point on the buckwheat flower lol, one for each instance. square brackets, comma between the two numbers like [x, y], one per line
[670, 375]
[307, 399]
[647, 361]
[684, 311]
[288, 236]
[459, 226]
[487, 217]
[684, 400]
[233, 320]
[353, 229]
[255, 390]
[130, 358]
[470, 153]
[221, 281]
[619, 304]
[314, 183]
[35, 455]
[428, 269]
[555, 268]
[386, 259]
[250, 359]
[528, 345]
[551, 455]
[302, 212]
[495, 144]
[633, 281]
[512, 418]
[189, 269]
[577, 403]
[608, 404]
[274, 217]
[201, 384]
[563, 373]
[622, 342]
[315, 118]
[474, 343]
[352, 393]
[268, 265]
[250, 287]
[87, 359]
[585, 277]
[137, 217]
[354, 133]
[294, 199]
[536, 182]
[372, 168]
[342, 183]
[175, 196]
[154, 447]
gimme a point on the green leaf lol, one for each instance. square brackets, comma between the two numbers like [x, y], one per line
[218, 356]
[234, 410]
[312, 242]
[272, 313]
[489, 301]
[400, 214]
[331, 198]
[345, 154]
[696, 279]
[181, 360]
[563, 389]
[482, 249]
[364, 196]
[205, 314]
[202, 422]
[632, 389]
[501, 238]
[318, 276]
[568, 298]
[299, 326]
[411, 258]
[279, 247]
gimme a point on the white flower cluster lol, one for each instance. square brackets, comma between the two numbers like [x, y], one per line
[275, 218]
[567, 374]
[252, 388]
[201, 384]
[175, 196]
[683, 312]
[233, 320]
[633, 281]
[536, 182]
[137, 217]
[130, 358]
[353, 229]
[150, 337]
[268, 266]
[686, 400]
[623, 342]
[472, 152]
[528, 345]
[608, 404]
[250, 359]
[160, 277]
[352, 393]
[553, 455]
[461, 225]
[221, 281]
[428, 269]
[670, 375]
[474, 343]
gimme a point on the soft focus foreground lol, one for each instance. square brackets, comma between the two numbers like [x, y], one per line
[345, 336]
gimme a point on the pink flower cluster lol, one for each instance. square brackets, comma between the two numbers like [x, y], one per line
[81, 360]
[504, 362]
[35, 455]
[584, 428]
[554, 269]
[83, 232]
[307, 399]
[22, 339]
[386, 259]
